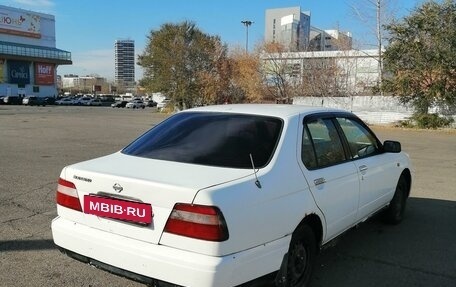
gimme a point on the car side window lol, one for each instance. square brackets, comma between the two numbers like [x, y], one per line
[360, 140]
[321, 144]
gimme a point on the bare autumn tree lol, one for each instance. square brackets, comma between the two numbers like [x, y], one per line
[318, 77]
[329, 76]
[247, 76]
[344, 68]
[374, 15]
[216, 82]
[281, 81]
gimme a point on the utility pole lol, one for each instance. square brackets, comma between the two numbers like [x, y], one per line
[378, 7]
[247, 23]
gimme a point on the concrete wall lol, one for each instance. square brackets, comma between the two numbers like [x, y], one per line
[371, 109]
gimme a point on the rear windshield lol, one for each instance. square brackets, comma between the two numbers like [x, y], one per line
[215, 139]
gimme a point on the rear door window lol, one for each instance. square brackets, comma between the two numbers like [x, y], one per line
[322, 145]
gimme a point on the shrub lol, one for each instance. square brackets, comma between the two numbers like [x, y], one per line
[431, 121]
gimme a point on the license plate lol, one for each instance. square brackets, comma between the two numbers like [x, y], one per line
[137, 212]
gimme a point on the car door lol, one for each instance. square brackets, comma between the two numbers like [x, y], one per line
[332, 177]
[376, 169]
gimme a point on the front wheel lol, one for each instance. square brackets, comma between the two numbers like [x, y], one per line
[301, 257]
[395, 211]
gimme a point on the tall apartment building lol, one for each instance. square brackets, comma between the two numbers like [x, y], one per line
[289, 27]
[125, 63]
[329, 40]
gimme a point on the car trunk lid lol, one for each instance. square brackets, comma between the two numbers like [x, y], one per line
[136, 180]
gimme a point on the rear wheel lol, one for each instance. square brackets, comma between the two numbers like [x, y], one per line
[301, 257]
[395, 211]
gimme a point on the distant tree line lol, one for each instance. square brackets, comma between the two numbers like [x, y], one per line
[193, 68]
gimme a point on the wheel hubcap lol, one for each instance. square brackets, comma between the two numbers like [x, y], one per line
[400, 202]
[299, 262]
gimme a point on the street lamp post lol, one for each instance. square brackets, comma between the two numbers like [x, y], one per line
[247, 23]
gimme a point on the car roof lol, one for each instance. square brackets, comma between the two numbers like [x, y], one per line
[277, 110]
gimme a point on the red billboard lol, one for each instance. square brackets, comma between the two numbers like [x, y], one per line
[44, 74]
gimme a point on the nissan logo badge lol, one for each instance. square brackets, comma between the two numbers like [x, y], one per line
[117, 187]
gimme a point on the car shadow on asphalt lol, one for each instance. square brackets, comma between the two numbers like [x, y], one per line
[26, 245]
[420, 251]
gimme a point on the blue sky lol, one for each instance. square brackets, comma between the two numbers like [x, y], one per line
[88, 28]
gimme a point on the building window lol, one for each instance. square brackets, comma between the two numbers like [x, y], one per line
[36, 89]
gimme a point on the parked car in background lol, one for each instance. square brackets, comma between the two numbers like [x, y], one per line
[94, 102]
[82, 101]
[65, 101]
[34, 101]
[135, 104]
[107, 98]
[161, 105]
[1, 100]
[150, 103]
[50, 100]
[221, 195]
[12, 100]
[119, 104]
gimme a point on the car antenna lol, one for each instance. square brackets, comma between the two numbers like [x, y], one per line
[257, 182]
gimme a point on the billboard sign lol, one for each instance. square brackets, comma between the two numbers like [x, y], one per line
[44, 74]
[19, 72]
[16, 22]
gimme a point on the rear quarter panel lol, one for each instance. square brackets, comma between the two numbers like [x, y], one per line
[257, 216]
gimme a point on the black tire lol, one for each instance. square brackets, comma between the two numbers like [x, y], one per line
[302, 254]
[395, 211]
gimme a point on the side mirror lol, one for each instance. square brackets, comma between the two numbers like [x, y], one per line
[392, 146]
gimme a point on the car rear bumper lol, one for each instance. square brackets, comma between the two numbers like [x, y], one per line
[138, 259]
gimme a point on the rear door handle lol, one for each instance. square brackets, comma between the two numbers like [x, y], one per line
[363, 168]
[319, 181]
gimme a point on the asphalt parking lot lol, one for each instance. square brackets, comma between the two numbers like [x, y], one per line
[37, 142]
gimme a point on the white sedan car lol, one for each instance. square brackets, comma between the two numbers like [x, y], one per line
[65, 101]
[83, 101]
[135, 104]
[94, 102]
[222, 195]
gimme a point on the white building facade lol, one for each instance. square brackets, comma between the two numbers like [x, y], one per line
[352, 72]
[82, 84]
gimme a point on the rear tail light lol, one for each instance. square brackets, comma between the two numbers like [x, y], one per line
[197, 221]
[67, 195]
